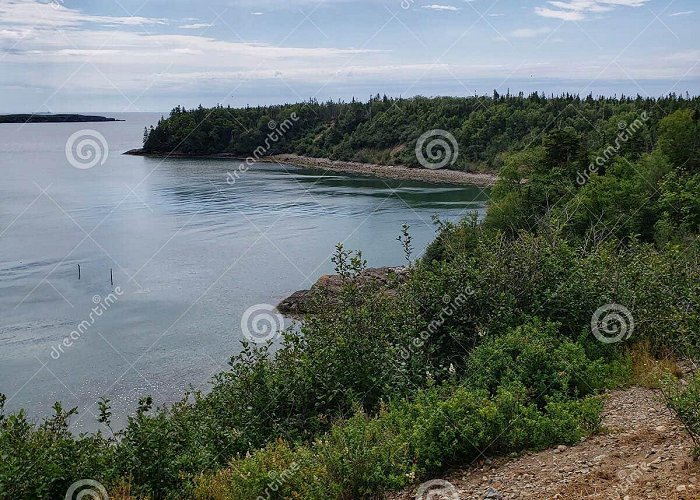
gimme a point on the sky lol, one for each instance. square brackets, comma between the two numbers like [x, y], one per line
[151, 55]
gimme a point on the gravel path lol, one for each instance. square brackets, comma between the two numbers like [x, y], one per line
[642, 453]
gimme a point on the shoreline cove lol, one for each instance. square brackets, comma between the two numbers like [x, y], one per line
[398, 172]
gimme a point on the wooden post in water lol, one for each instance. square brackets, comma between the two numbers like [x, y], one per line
[78, 272]
[111, 279]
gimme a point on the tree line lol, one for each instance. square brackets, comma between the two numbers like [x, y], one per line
[385, 130]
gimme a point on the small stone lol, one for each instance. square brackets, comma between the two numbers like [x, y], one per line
[680, 487]
[660, 428]
[561, 448]
[493, 494]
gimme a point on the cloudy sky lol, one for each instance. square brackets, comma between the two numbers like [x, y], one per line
[150, 55]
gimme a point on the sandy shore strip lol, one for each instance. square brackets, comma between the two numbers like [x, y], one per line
[398, 172]
[387, 171]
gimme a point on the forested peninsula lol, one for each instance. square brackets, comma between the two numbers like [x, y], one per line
[385, 131]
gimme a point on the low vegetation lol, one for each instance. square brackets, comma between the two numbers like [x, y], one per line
[684, 399]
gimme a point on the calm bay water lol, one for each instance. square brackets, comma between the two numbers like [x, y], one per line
[189, 253]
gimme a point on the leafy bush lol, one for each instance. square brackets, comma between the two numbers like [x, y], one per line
[685, 403]
[552, 367]
[497, 411]
[363, 457]
[42, 461]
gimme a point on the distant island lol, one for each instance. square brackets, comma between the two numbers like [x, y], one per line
[59, 118]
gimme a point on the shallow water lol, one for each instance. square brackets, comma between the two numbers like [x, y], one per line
[189, 254]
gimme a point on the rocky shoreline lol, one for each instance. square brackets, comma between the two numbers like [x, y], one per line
[329, 286]
[398, 172]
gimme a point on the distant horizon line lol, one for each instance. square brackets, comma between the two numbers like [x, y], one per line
[685, 94]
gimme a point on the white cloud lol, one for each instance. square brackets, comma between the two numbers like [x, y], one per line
[110, 54]
[577, 10]
[529, 32]
[33, 13]
[683, 13]
[440, 7]
[559, 14]
[687, 56]
[196, 26]
[68, 52]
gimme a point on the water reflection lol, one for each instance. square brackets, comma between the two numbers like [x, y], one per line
[273, 188]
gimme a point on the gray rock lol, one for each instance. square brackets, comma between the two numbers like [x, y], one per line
[493, 494]
[330, 286]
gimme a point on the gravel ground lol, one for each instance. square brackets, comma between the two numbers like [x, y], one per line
[643, 452]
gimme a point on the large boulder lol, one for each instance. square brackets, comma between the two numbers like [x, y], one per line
[330, 285]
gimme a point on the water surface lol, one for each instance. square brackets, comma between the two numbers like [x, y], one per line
[188, 251]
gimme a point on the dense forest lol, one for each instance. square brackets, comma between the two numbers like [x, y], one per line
[487, 348]
[385, 130]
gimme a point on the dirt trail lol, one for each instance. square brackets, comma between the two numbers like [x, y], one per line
[643, 453]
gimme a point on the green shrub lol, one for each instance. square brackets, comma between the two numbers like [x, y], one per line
[42, 461]
[552, 367]
[523, 393]
[363, 457]
[685, 403]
